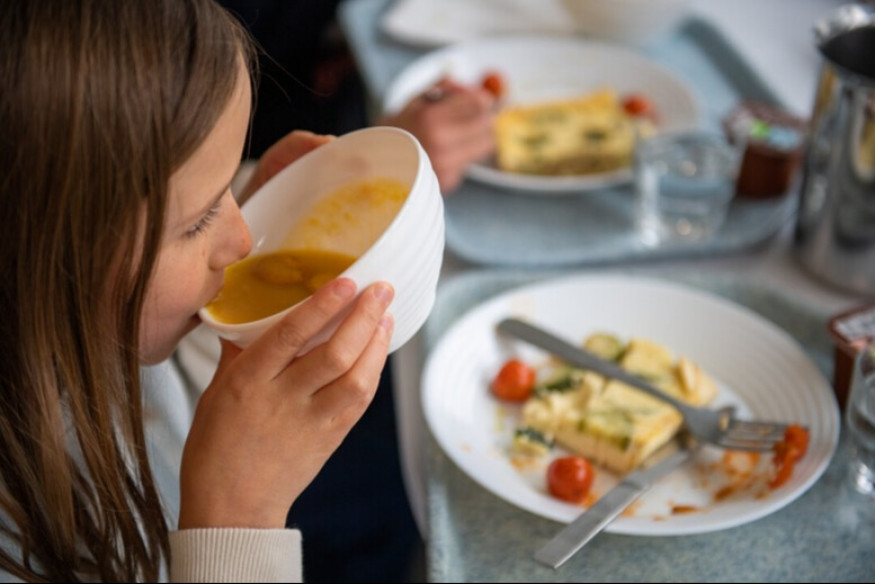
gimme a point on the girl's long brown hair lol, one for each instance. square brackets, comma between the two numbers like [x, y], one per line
[102, 101]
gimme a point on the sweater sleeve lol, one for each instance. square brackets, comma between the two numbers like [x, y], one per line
[235, 555]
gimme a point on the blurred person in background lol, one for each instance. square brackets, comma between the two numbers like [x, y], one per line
[310, 82]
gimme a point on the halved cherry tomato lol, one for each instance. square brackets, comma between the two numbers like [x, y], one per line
[636, 104]
[787, 452]
[514, 381]
[493, 83]
[570, 478]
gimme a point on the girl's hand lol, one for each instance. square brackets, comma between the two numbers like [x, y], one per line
[454, 124]
[270, 419]
[286, 150]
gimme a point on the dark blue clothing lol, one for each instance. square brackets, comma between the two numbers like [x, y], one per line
[308, 79]
[355, 517]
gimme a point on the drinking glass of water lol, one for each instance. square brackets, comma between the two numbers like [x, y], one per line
[860, 419]
[684, 184]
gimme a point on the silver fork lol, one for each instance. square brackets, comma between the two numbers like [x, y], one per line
[717, 427]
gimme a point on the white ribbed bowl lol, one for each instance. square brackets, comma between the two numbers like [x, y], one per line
[408, 254]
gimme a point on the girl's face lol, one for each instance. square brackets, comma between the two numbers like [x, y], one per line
[205, 232]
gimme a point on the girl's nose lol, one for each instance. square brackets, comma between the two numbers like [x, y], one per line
[236, 240]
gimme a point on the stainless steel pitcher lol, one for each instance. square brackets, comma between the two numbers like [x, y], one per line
[835, 229]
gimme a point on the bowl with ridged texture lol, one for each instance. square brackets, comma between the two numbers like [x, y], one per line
[370, 196]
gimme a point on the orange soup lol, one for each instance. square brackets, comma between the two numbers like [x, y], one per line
[261, 285]
[327, 239]
[351, 218]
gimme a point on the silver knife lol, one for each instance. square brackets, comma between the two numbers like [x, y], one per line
[577, 533]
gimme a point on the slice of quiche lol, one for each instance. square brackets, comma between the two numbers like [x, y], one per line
[608, 422]
[578, 136]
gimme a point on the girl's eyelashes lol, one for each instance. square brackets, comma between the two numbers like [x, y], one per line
[204, 221]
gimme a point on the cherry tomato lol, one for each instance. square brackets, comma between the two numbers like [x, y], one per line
[798, 437]
[493, 83]
[787, 452]
[570, 478]
[636, 104]
[514, 381]
[783, 472]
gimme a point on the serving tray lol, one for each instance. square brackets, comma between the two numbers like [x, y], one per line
[501, 227]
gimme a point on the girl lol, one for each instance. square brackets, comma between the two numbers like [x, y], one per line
[123, 125]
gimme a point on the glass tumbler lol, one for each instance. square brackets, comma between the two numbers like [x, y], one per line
[684, 184]
[860, 420]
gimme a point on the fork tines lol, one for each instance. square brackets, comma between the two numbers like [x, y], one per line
[752, 435]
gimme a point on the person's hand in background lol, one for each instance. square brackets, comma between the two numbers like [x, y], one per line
[454, 124]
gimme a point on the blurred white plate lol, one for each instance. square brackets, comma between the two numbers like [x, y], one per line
[549, 67]
[759, 367]
[426, 23]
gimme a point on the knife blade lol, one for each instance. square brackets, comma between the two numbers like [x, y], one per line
[589, 523]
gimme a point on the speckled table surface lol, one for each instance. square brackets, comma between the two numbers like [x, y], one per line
[827, 534]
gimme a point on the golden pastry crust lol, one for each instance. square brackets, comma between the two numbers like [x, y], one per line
[608, 422]
[586, 135]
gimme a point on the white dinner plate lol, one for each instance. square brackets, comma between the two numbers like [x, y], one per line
[758, 367]
[538, 68]
[430, 24]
